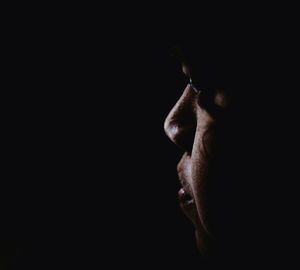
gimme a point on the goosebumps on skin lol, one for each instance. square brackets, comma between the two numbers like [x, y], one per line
[188, 119]
[195, 124]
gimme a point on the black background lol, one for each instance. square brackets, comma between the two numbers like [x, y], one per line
[91, 175]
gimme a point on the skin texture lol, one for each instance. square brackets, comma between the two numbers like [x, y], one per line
[191, 126]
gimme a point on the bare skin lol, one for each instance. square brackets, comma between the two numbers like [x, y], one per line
[190, 127]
